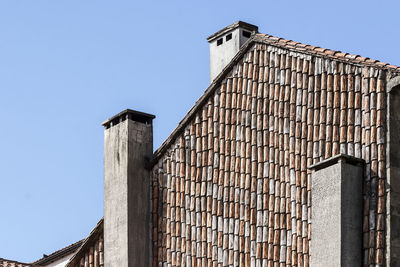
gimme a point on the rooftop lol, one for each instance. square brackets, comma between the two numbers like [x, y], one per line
[276, 42]
[58, 254]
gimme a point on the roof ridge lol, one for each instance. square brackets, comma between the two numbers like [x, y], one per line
[273, 41]
[324, 52]
[59, 253]
[203, 98]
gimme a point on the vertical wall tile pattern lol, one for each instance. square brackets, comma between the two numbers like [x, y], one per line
[234, 188]
[91, 256]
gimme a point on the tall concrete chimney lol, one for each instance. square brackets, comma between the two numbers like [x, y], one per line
[128, 145]
[337, 208]
[225, 44]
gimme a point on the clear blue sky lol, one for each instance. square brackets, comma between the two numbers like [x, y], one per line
[65, 66]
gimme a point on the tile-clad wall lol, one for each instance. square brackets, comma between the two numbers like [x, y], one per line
[234, 188]
[92, 256]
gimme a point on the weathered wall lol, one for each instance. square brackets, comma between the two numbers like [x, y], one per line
[337, 212]
[234, 187]
[128, 143]
[116, 201]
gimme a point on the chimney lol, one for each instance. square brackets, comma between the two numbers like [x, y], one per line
[225, 44]
[337, 211]
[128, 145]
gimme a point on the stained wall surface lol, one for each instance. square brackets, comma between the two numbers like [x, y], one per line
[233, 187]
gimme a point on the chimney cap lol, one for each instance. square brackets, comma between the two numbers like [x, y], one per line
[129, 114]
[335, 159]
[237, 24]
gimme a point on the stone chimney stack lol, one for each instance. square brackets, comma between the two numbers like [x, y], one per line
[225, 44]
[128, 146]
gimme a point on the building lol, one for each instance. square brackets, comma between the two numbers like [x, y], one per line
[289, 158]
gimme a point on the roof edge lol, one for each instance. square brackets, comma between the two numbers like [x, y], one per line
[59, 253]
[87, 242]
[16, 262]
[323, 52]
[202, 100]
[277, 42]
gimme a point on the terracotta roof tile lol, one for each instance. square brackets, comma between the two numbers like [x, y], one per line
[291, 43]
[329, 52]
[263, 113]
[371, 61]
[362, 58]
[273, 41]
[352, 56]
[341, 54]
[308, 106]
[300, 45]
[7, 263]
[311, 47]
[92, 245]
[381, 63]
[274, 38]
[320, 49]
[356, 59]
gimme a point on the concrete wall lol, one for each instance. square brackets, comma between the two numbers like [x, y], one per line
[337, 212]
[127, 147]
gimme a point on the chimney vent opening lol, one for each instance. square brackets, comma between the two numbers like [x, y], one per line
[246, 34]
[222, 53]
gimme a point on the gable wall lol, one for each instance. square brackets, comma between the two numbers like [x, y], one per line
[91, 254]
[234, 187]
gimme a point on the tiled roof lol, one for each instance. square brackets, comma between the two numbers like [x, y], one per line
[231, 185]
[58, 254]
[11, 263]
[277, 42]
[322, 52]
[46, 258]
[90, 252]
